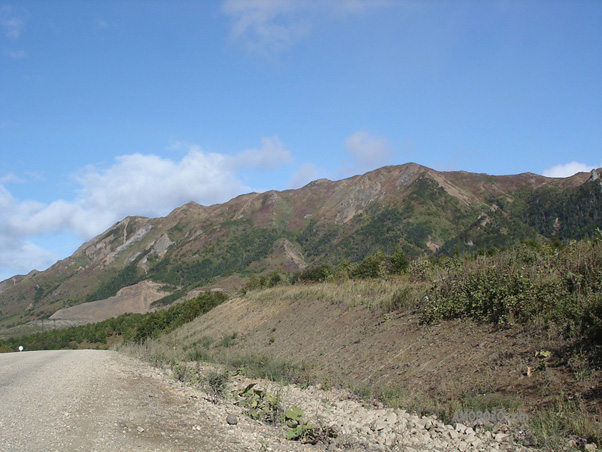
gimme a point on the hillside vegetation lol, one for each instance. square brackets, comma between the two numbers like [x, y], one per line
[124, 328]
[518, 329]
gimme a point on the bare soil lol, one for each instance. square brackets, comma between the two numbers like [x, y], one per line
[453, 360]
[135, 299]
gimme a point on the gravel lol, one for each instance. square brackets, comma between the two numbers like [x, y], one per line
[88, 400]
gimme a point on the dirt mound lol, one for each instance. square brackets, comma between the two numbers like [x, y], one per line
[135, 299]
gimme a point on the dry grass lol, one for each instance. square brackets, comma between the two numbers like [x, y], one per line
[158, 352]
[386, 294]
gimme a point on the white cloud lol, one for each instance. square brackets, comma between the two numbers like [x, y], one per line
[17, 254]
[271, 155]
[370, 151]
[9, 178]
[568, 169]
[304, 175]
[6, 199]
[99, 23]
[12, 21]
[271, 26]
[21, 257]
[16, 54]
[149, 185]
[265, 26]
[135, 184]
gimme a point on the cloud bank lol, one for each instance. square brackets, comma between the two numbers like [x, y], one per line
[134, 184]
[568, 169]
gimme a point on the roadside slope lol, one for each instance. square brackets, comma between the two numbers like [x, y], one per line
[355, 345]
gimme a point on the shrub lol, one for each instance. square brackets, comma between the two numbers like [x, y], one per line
[316, 274]
[525, 284]
[399, 261]
[216, 384]
[376, 266]
[260, 404]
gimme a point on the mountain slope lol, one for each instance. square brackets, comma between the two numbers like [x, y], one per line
[423, 210]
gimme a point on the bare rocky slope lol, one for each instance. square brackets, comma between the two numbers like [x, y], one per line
[136, 299]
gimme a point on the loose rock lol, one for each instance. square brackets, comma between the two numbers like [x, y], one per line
[232, 419]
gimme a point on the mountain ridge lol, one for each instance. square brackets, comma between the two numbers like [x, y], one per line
[427, 212]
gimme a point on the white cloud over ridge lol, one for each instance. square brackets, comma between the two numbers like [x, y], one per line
[370, 151]
[22, 256]
[149, 185]
[270, 156]
[568, 169]
[134, 184]
[304, 175]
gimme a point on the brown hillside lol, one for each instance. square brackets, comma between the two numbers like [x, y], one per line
[363, 347]
[134, 299]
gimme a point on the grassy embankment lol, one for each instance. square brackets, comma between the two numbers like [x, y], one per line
[525, 327]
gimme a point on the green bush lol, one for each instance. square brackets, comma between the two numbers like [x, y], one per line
[525, 284]
[376, 266]
[260, 404]
[319, 273]
[161, 322]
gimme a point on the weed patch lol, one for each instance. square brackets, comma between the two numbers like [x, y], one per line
[260, 404]
[216, 383]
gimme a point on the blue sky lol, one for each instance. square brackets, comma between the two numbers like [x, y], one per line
[117, 108]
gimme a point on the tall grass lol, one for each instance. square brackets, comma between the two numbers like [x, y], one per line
[551, 426]
[390, 294]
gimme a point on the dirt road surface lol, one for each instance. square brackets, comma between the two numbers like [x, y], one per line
[87, 400]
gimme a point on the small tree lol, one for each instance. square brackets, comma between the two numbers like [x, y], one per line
[316, 274]
[274, 279]
[374, 266]
[400, 261]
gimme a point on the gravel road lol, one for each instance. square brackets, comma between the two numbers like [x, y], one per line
[87, 400]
